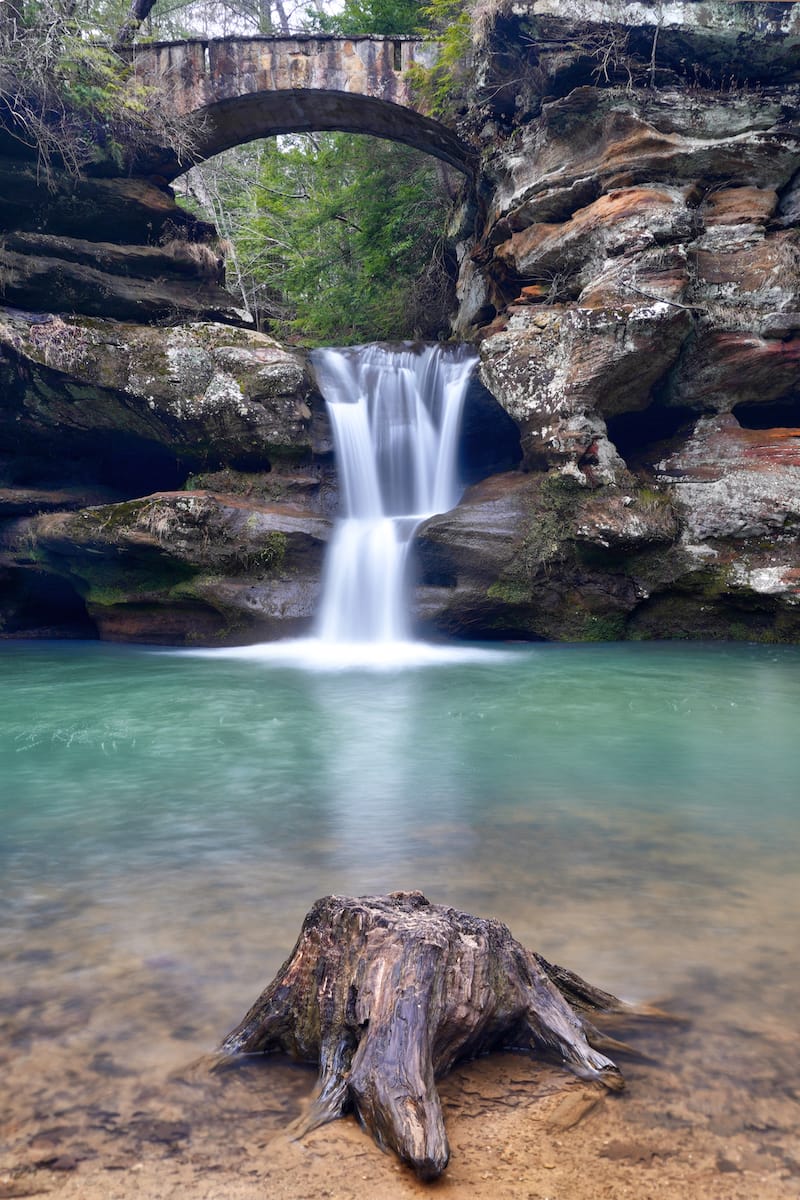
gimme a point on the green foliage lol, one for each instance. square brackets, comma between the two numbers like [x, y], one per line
[449, 22]
[600, 627]
[510, 591]
[268, 557]
[372, 16]
[337, 238]
[68, 95]
[441, 86]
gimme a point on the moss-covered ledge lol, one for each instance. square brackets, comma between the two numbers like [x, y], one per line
[193, 567]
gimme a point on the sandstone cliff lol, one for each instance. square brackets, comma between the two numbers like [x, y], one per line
[632, 279]
[635, 288]
[157, 484]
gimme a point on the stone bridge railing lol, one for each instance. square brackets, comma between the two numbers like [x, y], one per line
[244, 88]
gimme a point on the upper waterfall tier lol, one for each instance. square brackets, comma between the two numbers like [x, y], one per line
[395, 414]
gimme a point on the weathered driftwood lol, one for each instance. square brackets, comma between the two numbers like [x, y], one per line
[388, 992]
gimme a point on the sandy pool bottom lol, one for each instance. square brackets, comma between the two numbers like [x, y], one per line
[106, 1094]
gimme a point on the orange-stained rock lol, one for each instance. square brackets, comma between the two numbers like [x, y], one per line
[622, 140]
[534, 292]
[765, 275]
[720, 445]
[625, 220]
[656, 274]
[722, 369]
[736, 483]
[739, 206]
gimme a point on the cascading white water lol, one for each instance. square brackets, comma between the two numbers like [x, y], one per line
[396, 414]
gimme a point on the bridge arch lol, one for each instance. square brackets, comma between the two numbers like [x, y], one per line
[240, 89]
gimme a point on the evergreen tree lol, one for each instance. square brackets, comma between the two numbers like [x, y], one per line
[337, 238]
[373, 16]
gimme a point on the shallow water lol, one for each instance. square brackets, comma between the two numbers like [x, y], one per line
[166, 819]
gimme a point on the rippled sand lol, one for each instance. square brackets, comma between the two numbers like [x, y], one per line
[108, 1008]
[630, 812]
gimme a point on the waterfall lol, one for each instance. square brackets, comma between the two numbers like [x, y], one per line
[395, 414]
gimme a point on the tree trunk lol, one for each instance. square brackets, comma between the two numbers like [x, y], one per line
[388, 992]
[137, 14]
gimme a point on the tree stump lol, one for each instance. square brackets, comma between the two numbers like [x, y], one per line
[388, 992]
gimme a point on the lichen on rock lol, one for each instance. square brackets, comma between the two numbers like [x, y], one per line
[183, 567]
[630, 273]
[633, 287]
[199, 389]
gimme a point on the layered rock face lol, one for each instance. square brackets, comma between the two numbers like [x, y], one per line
[635, 287]
[192, 567]
[158, 479]
[171, 485]
[105, 247]
[158, 485]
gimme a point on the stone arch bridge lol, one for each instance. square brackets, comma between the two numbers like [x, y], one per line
[243, 88]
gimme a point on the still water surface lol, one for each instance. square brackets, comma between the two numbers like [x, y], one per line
[632, 811]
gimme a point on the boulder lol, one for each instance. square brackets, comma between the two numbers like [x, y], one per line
[567, 256]
[596, 139]
[191, 568]
[539, 556]
[206, 394]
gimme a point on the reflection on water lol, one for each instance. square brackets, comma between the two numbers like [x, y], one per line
[117, 761]
[167, 819]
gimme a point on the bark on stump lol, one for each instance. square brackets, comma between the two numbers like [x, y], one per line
[388, 992]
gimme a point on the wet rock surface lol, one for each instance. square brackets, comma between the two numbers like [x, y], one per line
[100, 423]
[190, 567]
[634, 290]
[632, 280]
[536, 556]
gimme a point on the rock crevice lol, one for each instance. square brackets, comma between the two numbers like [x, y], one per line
[634, 290]
[633, 285]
